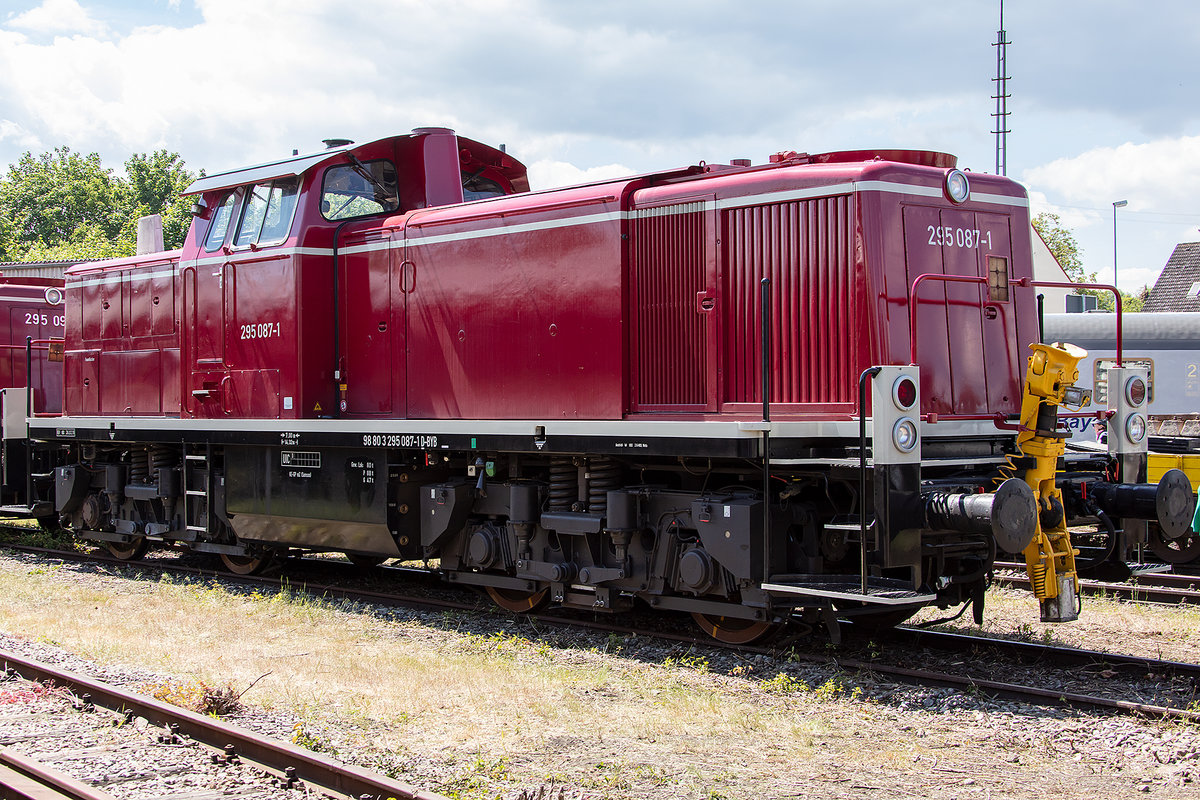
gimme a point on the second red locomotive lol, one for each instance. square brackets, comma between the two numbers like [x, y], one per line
[744, 392]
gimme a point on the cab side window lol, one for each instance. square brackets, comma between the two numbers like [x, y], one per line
[220, 222]
[359, 189]
[267, 212]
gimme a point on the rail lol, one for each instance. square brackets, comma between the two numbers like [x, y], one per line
[307, 765]
[23, 778]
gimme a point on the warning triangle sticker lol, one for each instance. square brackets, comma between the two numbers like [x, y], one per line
[317, 407]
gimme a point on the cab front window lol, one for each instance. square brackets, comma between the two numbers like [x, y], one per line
[267, 212]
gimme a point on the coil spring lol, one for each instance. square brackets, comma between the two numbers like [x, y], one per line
[139, 467]
[564, 484]
[1037, 580]
[604, 475]
[160, 457]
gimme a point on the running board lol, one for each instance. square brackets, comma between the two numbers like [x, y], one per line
[35, 510]
[880, 591]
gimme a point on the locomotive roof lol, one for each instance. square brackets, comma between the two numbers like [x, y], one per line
[299, 164]
[296, 165]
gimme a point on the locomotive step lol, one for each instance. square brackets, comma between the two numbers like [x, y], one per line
[1149, 569]
[880, 591]
[35, 510]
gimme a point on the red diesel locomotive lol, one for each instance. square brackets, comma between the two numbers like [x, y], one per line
[750, 393]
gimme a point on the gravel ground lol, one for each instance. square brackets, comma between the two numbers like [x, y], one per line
[823, 733]
[131, 760]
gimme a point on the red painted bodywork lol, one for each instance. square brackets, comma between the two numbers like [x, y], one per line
[122, 338]
[31, 315]
[632, 297]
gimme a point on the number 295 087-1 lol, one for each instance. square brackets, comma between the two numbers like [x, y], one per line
[260, 330]
[945, 236]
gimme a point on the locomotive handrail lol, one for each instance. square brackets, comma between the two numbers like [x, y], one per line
[912, 303]
[1095, 286]
[36, 344]
[998, 417]
[867, 374]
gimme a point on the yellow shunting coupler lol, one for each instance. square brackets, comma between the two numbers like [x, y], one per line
[1049, 558]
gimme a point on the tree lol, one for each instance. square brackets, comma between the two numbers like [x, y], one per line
[65, 206]
[48, 197]
[1064, 247]
[152, 186]
[1066, 250]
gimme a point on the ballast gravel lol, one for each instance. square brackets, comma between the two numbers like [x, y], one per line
[972, 745]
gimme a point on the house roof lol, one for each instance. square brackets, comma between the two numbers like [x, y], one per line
[37, 269]
[1178, 286]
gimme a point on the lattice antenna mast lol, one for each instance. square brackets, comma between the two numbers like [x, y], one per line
[1001, 97]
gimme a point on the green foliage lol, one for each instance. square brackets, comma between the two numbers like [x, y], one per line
[62, 205]
[1064, 247]
[152, 186]
[305, 738]
[1130, 303]
[1066, 250]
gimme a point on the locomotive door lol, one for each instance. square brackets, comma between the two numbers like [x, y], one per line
[37, 323]
[966, 332]
[208, 289]
[372, 322]
[673, 302]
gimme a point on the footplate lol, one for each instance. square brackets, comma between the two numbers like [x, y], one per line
[880, 591]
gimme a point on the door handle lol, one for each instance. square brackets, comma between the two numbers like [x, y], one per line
[408, 276]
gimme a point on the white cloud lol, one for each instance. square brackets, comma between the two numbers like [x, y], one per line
[1160, 175]
[1159, 179]
[547, 174]
[58, 17]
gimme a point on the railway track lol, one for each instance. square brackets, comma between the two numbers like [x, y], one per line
[1152, 587]
[23, 778]
[969, 650]
[289, 766]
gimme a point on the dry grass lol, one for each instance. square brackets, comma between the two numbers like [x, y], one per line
[196, 695]
[498, 709]
[1105, 623]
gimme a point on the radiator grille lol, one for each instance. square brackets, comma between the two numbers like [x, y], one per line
[805, 249]
[668, 272]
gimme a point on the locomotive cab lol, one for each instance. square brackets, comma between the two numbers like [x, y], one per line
[261, 336]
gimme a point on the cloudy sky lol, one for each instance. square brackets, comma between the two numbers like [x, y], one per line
[1105, 94]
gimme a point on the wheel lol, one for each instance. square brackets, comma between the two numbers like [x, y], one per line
[128, 551]
[733, 630]
[518, 601]
[247, 565]
[1175, 551]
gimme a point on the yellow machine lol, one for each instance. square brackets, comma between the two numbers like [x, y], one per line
[1049, 557]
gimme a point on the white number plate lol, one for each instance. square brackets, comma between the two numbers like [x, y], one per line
[260, 330]
[971, 238]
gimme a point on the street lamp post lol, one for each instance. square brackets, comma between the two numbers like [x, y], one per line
[1117, 204]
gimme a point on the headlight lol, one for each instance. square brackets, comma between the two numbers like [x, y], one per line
[958, 188]
[904, 434]
[1074, 396]
[54, 295]
[1135, 428]
[904, 392]
[1135, 391]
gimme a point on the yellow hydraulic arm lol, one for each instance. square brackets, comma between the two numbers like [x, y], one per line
[1049, 558]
